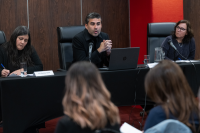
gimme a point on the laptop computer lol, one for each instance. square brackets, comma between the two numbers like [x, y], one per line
[123, 58]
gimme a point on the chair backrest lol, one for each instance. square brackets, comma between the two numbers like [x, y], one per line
[2, 37]
[65, 52]
[156, 33]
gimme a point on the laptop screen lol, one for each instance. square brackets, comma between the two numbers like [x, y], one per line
[123, 58]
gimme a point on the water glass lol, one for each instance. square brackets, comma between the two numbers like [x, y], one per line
[163, 55]
[23, 68]
[146, 59]
[158, 54]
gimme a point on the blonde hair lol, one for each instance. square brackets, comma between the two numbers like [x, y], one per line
[86, 100]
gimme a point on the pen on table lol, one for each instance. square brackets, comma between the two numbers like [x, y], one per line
[179, 58]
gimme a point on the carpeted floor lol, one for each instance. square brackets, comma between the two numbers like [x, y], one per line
[135, 119]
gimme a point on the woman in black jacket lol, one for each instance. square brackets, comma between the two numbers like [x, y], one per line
[19, 49]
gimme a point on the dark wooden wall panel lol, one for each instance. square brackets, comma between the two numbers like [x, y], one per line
[115, 16]
[192, 13]
[13, 13]
[46, 15]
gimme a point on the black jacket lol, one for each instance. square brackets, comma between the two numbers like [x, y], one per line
[186, 49]
[67, 125]
[80, 45]
[30, 69]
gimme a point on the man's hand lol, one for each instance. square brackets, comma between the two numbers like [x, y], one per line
[5, 73]
[106, 45]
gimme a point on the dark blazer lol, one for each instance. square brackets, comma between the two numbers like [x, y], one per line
[185, 49]
[80, 45]
[30, 69]
[67, 125]
[157, 115]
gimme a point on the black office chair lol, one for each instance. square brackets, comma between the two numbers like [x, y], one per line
[156, 33]
[65, 52]
[2, 38]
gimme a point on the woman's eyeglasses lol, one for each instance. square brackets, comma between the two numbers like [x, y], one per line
[180, 28]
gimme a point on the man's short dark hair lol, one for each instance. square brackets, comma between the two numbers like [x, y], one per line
[91, 16]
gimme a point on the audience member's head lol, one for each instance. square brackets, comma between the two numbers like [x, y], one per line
[167, 86]
[86, 100]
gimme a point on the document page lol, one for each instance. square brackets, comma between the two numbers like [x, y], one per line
[187, 61]
[126, 128]
[151, 65]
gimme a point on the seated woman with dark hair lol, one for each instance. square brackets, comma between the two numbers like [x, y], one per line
[19, 49]
[87, 104]
[182, 38]
[167, 86]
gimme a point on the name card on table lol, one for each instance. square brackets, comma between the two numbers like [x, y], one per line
[43, 73]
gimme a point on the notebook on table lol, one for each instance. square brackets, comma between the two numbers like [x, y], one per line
[123, 58]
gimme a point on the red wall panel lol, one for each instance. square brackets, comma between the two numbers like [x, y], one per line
[147, 11]
[167, 10]
[140, 15]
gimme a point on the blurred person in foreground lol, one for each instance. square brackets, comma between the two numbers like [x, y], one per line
[167, 86]
[87, 105]
[182, 38]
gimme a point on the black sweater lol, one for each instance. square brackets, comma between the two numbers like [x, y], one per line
[30, 69]
[185, 49]
[80, 45]
[67, 125]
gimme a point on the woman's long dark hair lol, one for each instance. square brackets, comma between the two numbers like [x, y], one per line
[12, 51]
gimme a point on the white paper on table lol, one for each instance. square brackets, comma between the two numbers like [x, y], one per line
[151, 65]
[187, 61]
[126, 128]
[13, 75]
[30, 75]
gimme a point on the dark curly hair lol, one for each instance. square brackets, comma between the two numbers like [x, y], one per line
[189, 35]
[12, 51]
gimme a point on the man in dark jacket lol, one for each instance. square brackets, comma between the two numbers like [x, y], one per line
[91, 44]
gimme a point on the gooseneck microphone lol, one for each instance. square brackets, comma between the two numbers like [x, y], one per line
[90, 50]
[170, 42]
[172, 45]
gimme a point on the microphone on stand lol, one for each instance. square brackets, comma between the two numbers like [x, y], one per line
[90, 50]
[172, 45]
[170, 42]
